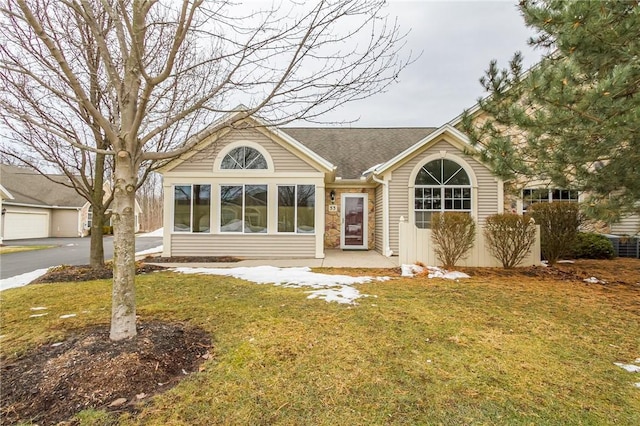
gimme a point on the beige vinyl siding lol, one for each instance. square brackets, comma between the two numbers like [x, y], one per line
[64, 223]
[252, 246]
[379, 244]
[629, 225]
[400, 196]
[283, 160]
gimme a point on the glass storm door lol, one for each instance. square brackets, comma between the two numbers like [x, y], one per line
[354, 221]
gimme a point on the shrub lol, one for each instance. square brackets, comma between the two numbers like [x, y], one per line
[107, 230]
[453, 235]
[509, 237]
[589, 245]
[559, 223]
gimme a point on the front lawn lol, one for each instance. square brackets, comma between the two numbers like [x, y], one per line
[492, 349]
[17, 249]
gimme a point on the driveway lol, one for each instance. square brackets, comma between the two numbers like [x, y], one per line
[67, 251]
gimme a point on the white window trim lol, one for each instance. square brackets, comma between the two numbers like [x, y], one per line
[242, 232]
[173, 206]
[443, 155]
[237, 144]
[295, 218]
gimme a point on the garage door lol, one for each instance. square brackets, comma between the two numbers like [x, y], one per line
[19, 225]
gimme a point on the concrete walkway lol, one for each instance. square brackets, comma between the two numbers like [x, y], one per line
[333, 259]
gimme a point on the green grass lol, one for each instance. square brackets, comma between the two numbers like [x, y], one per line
[481, 351]
[17, 249]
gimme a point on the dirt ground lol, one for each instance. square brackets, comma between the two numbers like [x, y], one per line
[52, 383]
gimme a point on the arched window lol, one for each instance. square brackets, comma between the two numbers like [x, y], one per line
[441, 185]
[243, 158]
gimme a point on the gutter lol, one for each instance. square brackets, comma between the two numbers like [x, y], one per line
[40, 206]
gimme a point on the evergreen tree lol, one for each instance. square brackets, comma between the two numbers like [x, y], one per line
[573, 120]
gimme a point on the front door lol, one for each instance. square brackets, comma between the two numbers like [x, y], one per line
[354, 221]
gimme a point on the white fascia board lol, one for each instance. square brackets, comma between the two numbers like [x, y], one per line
[6, 195]
[40, 206]
[465, 143]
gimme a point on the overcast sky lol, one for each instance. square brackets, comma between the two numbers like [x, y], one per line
[457, 40]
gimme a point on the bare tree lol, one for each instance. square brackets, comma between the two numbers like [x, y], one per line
[150, 199]
[168, 69]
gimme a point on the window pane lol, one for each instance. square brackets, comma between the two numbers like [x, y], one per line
[423, 220]
[182, 208]
[244, 157]
[201, 208]
[453, 174]
[430, 174]
[231, 209]
[286, 208]
[306, 208]
[255, 208]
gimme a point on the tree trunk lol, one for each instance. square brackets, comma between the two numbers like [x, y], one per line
[96, 254]
[123, 309]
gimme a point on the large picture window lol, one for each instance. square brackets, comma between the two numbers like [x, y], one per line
[243, 208]
[243, 158]
[191, 208]
[441, 185]
[296, 208]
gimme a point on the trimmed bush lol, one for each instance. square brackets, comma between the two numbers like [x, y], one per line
[453, 235]
[589, 245]
[509, 237]
[559, 223]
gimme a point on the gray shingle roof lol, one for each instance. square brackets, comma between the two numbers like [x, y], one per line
[29, 187]
[355, 150]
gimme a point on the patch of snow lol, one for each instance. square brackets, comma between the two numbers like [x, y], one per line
[628, 367]
[38, 308]
[56, 344]
[67, 316]
[152, 250]
[325, 284]
[70, 245]
[566, 261]
[434, 272]
[38, 315]
[345, 294]
[157, 233]
[637, 385]
[411, 270]
[637, 361]
[22, 279]
[594, 280]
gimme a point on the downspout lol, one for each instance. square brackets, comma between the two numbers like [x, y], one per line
[385, 215]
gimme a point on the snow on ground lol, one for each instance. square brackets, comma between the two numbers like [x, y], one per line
[628, 367]
[153, 250]
[332, 288]
[157, 233]
[434, 272]
[22, 279]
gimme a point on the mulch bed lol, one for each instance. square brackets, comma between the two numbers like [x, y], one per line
[54, 382]
[193, 259]
[66, 273]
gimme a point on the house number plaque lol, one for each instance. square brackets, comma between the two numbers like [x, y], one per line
[333, 208]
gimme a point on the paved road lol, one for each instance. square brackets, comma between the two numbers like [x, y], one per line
[67, 251]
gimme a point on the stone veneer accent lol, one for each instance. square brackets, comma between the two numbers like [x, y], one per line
[333, 222]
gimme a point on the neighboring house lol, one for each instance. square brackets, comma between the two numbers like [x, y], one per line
[4, 195]
[259, 191]
[37, 207]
